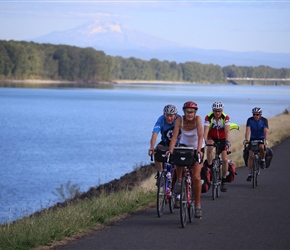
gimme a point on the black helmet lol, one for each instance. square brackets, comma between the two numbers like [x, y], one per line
[257, 110]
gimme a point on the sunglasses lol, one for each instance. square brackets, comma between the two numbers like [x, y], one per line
[190, 112]
[256, 114]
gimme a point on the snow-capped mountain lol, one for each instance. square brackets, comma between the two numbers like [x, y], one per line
[118, 40]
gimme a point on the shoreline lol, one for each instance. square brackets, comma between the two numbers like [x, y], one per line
[48, 81]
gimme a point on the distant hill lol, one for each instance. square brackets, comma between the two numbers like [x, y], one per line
[116, 39]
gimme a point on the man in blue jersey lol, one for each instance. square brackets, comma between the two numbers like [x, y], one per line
[165, 126]
[256, 129]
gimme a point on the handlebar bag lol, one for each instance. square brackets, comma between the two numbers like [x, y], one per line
[160, 153]
[183, 156]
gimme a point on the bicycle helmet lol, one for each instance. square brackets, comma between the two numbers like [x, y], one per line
[170, 110]
[217, 106]
[190, 104]
[257, 110]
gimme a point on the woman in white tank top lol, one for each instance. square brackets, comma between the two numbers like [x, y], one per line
[190, 125]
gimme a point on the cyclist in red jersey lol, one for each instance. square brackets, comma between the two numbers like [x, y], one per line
[217, 129]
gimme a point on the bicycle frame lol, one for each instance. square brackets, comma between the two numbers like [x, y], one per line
[164, 188]
[216, 171]
[186, 197]
[256, 161]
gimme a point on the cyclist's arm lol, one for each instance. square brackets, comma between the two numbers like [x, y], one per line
[175, 134]
[153, 139]
[247, 134]
[227, 132]
[199, 133]
[248, 130]
[266, 133]
[205, 130]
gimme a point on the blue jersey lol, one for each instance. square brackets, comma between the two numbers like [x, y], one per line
[257, 127]
[165, 129]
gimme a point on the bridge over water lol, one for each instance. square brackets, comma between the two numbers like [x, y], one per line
[251, 80]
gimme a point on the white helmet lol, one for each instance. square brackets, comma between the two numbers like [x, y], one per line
[217, 106]
[170, 110]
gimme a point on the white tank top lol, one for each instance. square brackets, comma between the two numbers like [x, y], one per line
[190, 137]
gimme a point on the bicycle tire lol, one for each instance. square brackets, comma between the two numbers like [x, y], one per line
[218, 184]
[171, 204]
[171, 199]
[257, 173]
[214, 190]
[254, 172]
[191, 204]
[183, 203]
[161, 195]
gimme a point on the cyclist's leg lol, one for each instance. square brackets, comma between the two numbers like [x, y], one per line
[196, 180]
[209, 152]
[225, 164]
[250, 164]
[158, 164]
[262, 150]
[177, 185]
[224, 170]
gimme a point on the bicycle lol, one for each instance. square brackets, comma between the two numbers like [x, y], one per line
[216, 173]
[164, 182]
[186, 155]
[256, 161]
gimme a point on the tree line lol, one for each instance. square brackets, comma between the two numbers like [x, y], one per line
[29, 60]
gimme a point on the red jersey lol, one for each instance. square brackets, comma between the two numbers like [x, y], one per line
[217, 128]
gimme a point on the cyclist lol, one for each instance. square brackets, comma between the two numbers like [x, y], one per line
[256, 129]
[217, 129]
[191, 130]
[164, 125]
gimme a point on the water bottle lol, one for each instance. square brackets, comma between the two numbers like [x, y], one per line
[168, 193]
[165, 167]
[168, 175]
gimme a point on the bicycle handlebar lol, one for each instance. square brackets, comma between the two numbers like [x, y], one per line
[151, 155]
[216, 146]
[262, 141]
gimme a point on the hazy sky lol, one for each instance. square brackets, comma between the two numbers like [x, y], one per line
[229, 25]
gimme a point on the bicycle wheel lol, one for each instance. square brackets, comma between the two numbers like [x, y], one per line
[191, 203]
[257, 173]
[218, 182]
[161, 195]
[171, 201]
[254, 172]
[183, 203]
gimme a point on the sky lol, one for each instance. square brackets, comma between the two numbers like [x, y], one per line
[227, 25]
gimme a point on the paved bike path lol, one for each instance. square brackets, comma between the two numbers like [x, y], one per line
[242, 218]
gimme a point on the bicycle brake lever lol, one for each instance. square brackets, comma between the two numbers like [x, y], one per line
[198, 157]
[151, 155]
[168, 157]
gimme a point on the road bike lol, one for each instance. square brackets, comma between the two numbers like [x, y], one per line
[256, 160]
[216, 170]
[184, 156]
[164, 182]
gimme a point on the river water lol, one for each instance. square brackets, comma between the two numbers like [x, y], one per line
[90, 136]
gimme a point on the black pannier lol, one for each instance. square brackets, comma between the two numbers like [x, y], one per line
[269, 156]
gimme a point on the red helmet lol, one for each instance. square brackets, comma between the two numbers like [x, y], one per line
[191, 105]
